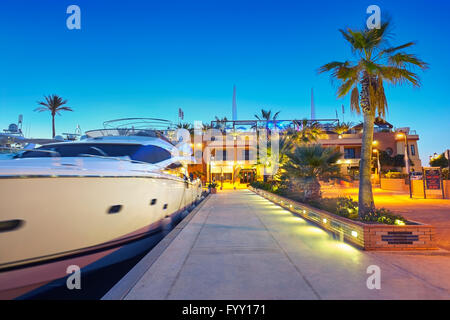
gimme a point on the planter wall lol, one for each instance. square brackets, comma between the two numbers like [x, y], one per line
[362, 235]
[394, 185]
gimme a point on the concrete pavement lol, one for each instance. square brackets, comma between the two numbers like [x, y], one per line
[241, 246]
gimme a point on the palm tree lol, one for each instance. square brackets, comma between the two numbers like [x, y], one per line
[267, 116]
[184, 125]
[308, 164]
[206, 126]
[342, 127]
[377, 63]
[54, 104]
[221, 124]
[309, 132]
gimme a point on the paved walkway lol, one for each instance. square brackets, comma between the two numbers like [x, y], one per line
[241, 246]
[429, 211]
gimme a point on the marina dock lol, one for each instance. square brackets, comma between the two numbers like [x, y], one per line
[238, 245]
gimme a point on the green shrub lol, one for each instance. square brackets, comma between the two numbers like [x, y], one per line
[262, 185]
[212, 185]
[384, 216]
[439, 161]
[396, 175]
[341, 206]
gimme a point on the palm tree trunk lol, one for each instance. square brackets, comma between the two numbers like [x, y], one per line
[313, 189]
[53, 126]
[365, 197]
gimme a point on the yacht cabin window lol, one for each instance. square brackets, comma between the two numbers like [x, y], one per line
[144, 153]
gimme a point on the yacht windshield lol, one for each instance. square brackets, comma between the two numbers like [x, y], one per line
[144, 153]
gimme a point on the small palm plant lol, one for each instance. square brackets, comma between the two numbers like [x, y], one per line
[221, 124]
[308, 164]
[309, 132]
[342, 127]
[184, 125]
[54, 104]
[266, 115]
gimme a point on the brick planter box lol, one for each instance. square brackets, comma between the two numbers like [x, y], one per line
[365, 236]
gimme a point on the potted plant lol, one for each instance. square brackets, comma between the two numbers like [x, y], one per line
[212, 187]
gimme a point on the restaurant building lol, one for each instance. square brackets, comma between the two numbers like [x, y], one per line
[230, 154]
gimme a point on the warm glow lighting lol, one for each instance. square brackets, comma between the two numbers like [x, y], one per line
[199, 144]
[375, 142]
[340, 136]
[400, 135]
[374, 150]
[399, 222]
[324, 220]
[354, 233]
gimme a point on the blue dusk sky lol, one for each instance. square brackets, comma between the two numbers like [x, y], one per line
[148, 58]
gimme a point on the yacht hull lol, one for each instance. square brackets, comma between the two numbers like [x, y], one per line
[90, 222]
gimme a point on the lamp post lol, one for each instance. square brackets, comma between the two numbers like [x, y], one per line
[403, 135]
[378, 164]
[210, 168]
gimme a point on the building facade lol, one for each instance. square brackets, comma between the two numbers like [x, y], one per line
[231, 154]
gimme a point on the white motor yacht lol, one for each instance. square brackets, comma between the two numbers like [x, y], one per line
[89, 203]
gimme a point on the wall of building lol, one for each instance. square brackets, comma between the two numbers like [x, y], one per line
[394, 185]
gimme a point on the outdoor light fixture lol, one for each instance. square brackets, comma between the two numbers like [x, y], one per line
[324, 220]
[354, 233]
[375, 142]
[340, 136]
